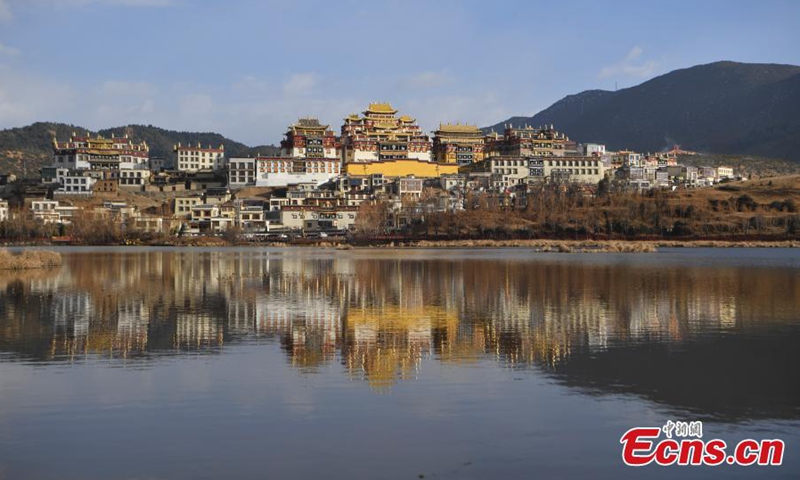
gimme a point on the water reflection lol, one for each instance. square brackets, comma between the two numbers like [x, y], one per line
[718, 339]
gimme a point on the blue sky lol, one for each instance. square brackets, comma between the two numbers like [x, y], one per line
[247, 69]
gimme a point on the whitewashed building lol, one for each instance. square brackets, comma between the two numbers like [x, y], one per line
[196, 158]
[241, 172]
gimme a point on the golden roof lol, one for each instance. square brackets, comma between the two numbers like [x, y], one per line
[458, 128]
[380, 108]
[309, 123]
[407, 119]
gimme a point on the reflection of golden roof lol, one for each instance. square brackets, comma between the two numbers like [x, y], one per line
[393, 317]
[380, 108]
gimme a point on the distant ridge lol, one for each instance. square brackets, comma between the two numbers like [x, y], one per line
[722, 107]
[31, 147]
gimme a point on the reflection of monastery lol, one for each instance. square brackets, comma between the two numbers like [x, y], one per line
[381, 318]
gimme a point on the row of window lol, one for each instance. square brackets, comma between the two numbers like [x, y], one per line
[314, 215]
[199, 154]
[572, 163]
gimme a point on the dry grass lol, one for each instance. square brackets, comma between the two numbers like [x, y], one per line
[600, 246]
[29, 259]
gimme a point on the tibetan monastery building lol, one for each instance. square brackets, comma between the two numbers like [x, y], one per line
[309, 154]
[99, 153]
[309, 139]
[380, 142]
[458, 144]
[526, 142]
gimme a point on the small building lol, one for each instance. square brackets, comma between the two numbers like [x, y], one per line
[724, 172]
[574, 169]
[106, 185]
[66, 213]
[45, 210]
[221, 223]
[159, 164]
[315, 218]
[204, 212]
[250, 217]
[216, 195]
[408, 187]
[74, 182]
[133, 179]
[594, 149]
[4, 215]
[504, 171]
[241, 172]
[286, 171]
[149, 224]
[451, 181]
[182, 206]
[6, 178]
[196, 158]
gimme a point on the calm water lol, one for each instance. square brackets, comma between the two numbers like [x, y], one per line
[301, 363]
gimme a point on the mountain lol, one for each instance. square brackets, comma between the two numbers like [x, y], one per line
[28, 148]
[722, 107]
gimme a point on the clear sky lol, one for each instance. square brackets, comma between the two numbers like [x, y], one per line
[248, 68]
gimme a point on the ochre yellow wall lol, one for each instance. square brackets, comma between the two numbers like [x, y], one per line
[401, 168]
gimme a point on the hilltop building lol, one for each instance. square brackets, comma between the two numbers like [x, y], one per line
[98, 153]
[379, 142]
[309, 154]
[459, 144]
[380, 135]
[505, 172]
[527, 142]
[309, 139]
[195, 158]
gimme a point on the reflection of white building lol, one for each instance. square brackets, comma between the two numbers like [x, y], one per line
[132, 321]
[241, 315]
[197, 330]
[71, 313]
[279, 315]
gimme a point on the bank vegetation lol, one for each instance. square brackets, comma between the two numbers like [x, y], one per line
[29, 259]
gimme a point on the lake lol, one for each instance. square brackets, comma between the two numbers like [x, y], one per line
[187, 363]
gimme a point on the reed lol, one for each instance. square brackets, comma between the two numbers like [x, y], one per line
[29, 259]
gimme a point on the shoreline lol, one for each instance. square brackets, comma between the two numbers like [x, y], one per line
[540, 245]
[593, 246]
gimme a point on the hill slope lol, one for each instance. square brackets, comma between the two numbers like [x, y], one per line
[722, 107]
[30, 147]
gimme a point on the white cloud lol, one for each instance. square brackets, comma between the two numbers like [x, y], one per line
[635, 53]
[8, 51]
[630, 66]
[300, 84]
[25, 99]
[251, 85]
[127, 89]
[198, 109]
[479, 110]
[427, 79]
